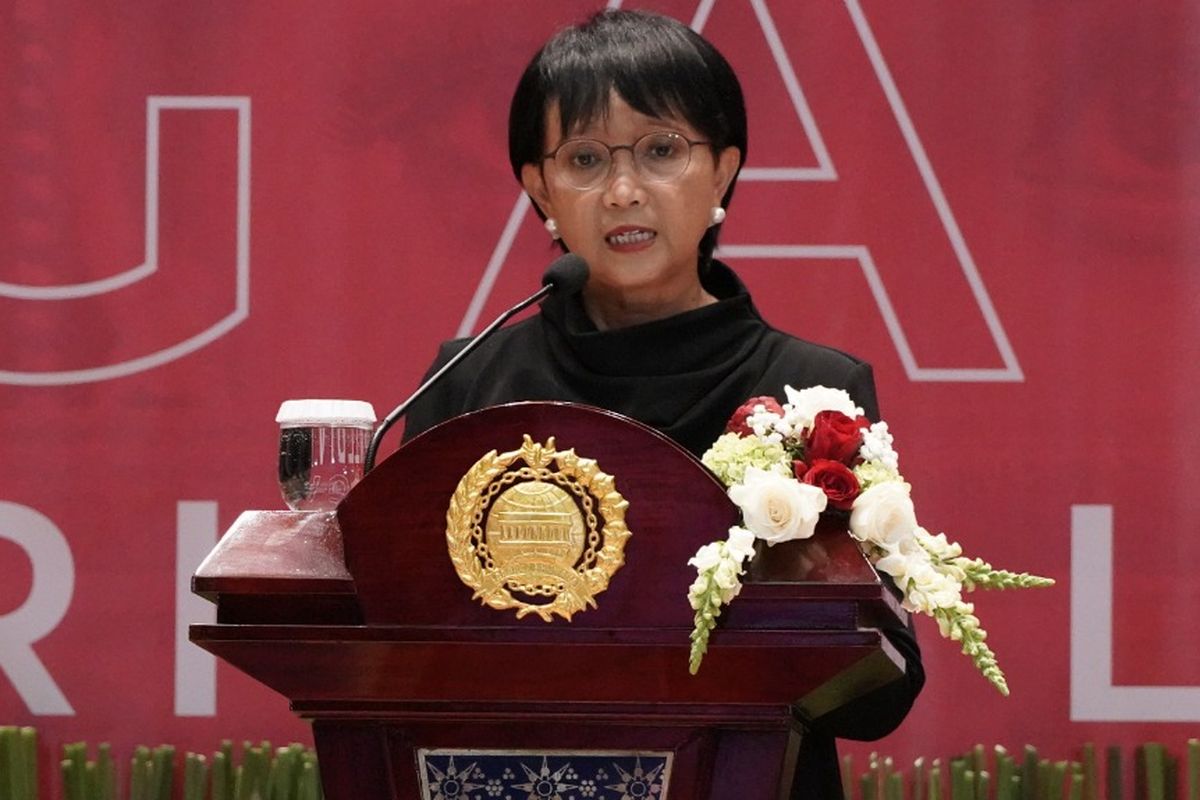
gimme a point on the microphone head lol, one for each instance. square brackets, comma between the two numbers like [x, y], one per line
[567, 274]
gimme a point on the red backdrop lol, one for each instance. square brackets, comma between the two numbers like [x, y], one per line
[208, 208]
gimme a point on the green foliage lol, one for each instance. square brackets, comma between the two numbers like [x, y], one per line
[980, 775]
[18, 763]
[195, 776]
[978, 574]
[287, 773]
[292, 773]
[1090, 782]
[88, 780]
[961, 625]
[1115, 782]
[1193, 769]
[1152, 771]
[702, 625]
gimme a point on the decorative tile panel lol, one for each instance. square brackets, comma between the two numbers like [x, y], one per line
[543, 774]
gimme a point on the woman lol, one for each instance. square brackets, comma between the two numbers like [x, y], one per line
[628, 133]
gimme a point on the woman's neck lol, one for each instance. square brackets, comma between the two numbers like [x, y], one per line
[609, 311]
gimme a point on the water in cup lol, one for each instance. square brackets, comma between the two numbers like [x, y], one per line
[322, 445]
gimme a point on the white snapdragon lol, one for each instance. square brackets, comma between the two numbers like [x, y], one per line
[777, 508]
[719, 565]
[938, 546]
[707, 556]
[719, 580]
[951, 625]
[947, 554]
[899, 558]
[927, 585]
[927, 589]
[727, 579]
[740, 543]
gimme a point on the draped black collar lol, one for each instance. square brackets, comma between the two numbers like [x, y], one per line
[709, 340]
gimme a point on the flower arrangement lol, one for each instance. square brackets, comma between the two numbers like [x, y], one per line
[785, 465]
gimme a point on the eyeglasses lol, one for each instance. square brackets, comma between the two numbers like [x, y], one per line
[658, 157]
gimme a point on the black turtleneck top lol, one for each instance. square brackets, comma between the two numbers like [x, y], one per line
[683, 375]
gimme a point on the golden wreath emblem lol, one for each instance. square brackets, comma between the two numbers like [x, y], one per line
[536, 529]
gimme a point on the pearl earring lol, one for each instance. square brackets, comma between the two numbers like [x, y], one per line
[552, 228]
[717, 216]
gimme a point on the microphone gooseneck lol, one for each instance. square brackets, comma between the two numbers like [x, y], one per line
[567, 274]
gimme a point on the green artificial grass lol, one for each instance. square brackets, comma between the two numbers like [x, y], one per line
[259, 772]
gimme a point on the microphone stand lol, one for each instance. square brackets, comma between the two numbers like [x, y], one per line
[398, 411]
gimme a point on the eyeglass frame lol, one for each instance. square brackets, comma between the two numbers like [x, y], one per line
[612, 155]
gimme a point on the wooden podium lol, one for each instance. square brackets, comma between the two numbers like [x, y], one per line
[415, 689]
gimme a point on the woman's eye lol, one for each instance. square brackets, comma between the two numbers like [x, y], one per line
[585, 158]
[662, 149]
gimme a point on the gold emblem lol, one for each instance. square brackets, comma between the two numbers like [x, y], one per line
[544, 538]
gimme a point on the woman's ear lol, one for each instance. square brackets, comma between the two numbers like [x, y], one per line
[535, 186]
[726, 167]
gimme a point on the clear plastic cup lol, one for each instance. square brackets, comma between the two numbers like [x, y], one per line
[322, 445]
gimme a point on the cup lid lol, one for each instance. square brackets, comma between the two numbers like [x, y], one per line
[349, 413]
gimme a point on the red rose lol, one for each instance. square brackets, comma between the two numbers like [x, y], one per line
[798, 469]
[834, 436]
[737, 422]
[836, 480]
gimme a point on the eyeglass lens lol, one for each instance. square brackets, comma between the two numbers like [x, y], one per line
[660, 156]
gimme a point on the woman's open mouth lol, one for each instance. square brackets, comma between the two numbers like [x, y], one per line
[627, 239]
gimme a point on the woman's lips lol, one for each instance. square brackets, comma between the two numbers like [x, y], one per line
[627, 239]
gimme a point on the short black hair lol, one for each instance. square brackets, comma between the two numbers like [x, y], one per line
[658, 65]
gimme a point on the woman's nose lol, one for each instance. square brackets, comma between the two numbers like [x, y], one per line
[623, 187]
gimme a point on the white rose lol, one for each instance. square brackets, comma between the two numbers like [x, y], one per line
[805, 404]
[777, 509]
[883, 515]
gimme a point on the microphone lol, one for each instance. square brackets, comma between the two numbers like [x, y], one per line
[567, 274]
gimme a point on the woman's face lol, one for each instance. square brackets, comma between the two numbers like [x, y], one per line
[639, 237]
